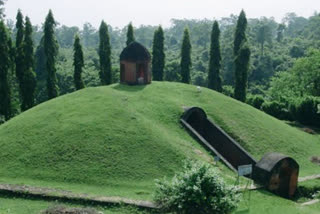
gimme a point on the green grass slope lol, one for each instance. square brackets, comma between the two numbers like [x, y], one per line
[126, 136]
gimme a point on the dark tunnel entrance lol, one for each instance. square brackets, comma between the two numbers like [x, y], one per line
[232, 153]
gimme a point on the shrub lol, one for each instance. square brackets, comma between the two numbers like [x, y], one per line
[255, 101]
[276, 109]
[228, 90]
[306, 111]
[198, 189]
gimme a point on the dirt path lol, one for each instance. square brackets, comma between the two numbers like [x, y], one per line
[311, 202]
[68, 195]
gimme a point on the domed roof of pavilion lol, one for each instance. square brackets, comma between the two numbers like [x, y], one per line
[135, 52]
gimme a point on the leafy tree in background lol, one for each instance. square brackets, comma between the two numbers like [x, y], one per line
[158, 55]
[29, 83]
[130, 34]
[241, 53]
[89, 35]
[185, 62]
[264, 35]
[302, 80]
[214, 79]
[51, 51]
[78, 63]
[105, 55]
[65, 36]
[172, 71]
[280, 31]
[5, 59]
[19, 59]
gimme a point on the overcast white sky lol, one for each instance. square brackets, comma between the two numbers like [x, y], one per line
[153, 12]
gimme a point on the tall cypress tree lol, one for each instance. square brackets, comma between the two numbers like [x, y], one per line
[2, 15]
[214, 78]
[51, 51]
[105, 55]
[242, 56]
[185, 63]
[78, 63]
[19, 59]
[242, 66]
[28, 84]
[158, 55]
[130, 34]
[5, 59]
[240, 33]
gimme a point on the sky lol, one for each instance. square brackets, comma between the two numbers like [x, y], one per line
[119, 13]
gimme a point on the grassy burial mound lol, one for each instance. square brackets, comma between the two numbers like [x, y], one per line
[124, 137]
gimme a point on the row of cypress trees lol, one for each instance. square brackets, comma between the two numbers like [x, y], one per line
[241, 58]
[22, 56]
[6, 60]
[19, 59]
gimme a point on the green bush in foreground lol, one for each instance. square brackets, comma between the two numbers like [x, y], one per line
[197, 189]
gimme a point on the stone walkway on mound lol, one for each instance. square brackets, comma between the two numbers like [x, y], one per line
[307, 178]
[311, 202]
[68, 195]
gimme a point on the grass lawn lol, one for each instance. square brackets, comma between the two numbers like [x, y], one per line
[266, 203]
[116, 140]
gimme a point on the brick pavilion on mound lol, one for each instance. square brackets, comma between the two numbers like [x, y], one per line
[135, 65]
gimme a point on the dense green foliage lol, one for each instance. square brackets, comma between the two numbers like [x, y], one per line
[199, 188]
[29, 78]
[276, 50]
[5, 61]
[264, 35]
[130, 34]
[297, 35]
[158, 55]
[242, 54]
[214, 78]
[78, 63]
[50, 46]
[284, 43]
[105, 55]
[303, 79]
[185, 62]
